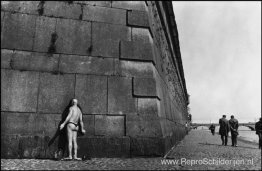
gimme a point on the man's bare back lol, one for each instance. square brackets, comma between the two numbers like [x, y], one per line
[72, 127]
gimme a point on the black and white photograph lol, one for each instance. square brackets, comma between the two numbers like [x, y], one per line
[131, 85]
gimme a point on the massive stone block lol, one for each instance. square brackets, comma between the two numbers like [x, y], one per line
[55, 92]
[96, 3]
[29, 7]
[102, 14]
[6, 56]
[29, 124]
[130, 5]
[19, 91]
[107, 125]
[131, 50]
[91, 91]
[73, 37]
[86, 65]
[143, 126]
[148, 106]
[23, 60]
[18, 31]
[104, 146]
[89, 125]
[145, 87]
[106, 37]
[62, 9]
[120, 100]
[137, 19]
[45, 29]
[134, 68]
[141, 35]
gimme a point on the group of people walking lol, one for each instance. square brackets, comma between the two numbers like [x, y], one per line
[232, 127]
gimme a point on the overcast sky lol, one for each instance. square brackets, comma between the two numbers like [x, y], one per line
[220, 45]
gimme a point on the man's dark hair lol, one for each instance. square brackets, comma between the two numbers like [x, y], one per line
[224, 116]
[232, 116]
[260, 119]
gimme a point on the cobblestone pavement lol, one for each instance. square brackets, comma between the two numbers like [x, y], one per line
[198, 145]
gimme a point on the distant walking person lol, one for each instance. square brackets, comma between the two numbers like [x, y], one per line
[234, 130]
[224, 129]
[258, 127]
[212, 128]
[186, 126]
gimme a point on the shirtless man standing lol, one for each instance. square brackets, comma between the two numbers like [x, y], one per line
[71, 122]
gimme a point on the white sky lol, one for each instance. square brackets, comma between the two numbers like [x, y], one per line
[220, 45]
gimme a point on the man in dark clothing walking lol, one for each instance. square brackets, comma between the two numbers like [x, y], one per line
[212, 128]
[234, 130]
[258, 127]
[224, 129]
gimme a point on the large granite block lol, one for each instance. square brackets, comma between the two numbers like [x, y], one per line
[120, 100]
[106, 37]
[104, 146]
[148, 106]
[32, 61]
[29, 7]
[19, 90]
[74, 37]
[9, 146]
[106, 125]
[96, 3]
[18, 31]
[86, 65]
[45, 30]
[6, 57]
[29, 124]
[55, 92]
[62, 9]
[130, 5]
[89, 125]
[106, 15]
[91, 91]
[134, 68]
[147, 146]
[141, 35]
[138, 50]
[145, 87]
[137, 19]
[143, 126]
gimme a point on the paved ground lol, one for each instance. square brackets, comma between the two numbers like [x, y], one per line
[198, 151]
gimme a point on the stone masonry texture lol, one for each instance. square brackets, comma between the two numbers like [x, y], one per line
[120, 59]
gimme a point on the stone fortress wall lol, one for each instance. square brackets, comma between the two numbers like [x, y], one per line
[121, 60]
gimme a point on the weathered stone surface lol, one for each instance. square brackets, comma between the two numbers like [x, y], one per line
[104, 146]
[45, 27]
[9, 146]
[62, 9]
[106, 37]
[147, 146]
[29, 7]
[137, 18]
[74, 37]
[136, 51]
[145, 87]
[18, 31]
[2, 19]
[131, 5]
[120, 100]
[134, 68]
[29, 123]
[55, 92]
[107, 125]
[141, 35]
[23, 60]
[6, 56]
[19, 90]
[102, 14]
[148, 106]
[91, 91]
[143, 126]
[89, 125]
[86, 65]
[96, 3]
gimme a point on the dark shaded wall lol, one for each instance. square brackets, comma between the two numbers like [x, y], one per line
[121, 60]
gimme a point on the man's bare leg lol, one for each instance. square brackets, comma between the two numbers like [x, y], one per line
[70, 139]
[75, 145]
